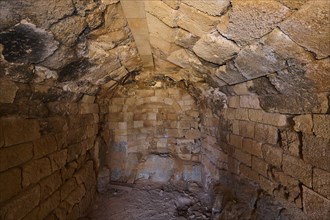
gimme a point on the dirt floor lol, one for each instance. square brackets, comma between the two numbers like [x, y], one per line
[150, 202]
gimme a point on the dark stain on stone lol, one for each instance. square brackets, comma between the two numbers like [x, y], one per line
[74, 70]
[27, 44]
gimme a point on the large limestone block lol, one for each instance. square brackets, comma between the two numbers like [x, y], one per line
[321, 126]
[230, 74]
[321, 182]
[67, 30]
[195, 21]
[250, 20]
[270, 55]
[310, 27]
[215, 48]
[183, 58]
[162, 11]
[211, 7]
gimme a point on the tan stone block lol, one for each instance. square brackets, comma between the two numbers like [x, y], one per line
[303, 123]
[18, 130]
[321, 182]
[172, 3]
[290, 142]
[272, 155]
[86, 175]
[15, 155]
[133, 9]
[25, 203]
[88, 99]
[252, 147]
[242, 114]
[8, 91]
[236, 141]
[266, 133]
[49, 185]
[76, 195]
[35, 170]
[246, 129]
[162, 11]
[260, 166]
[86, 108]
[67, 188]
[10, 184]
[211, 7]
[195, 21]
[243, 157]
[49, 205]
[145, 93]
[233, 102]
[316, 151]
[58, 159]
[233, 165]
[267, 118]
[193, 134]
[249, 101]
[315, 206]
[321, 126]
[298, 169]
[248, 173]
[235, 127]
[44, 146]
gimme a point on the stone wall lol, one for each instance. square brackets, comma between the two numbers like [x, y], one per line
[153, 134]
[55, 57]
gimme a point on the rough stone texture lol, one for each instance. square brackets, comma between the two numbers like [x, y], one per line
[162, 12]
[321, 182]
[303, 123]
[321, 126]
[298, 169]
[316, 151]
[215, 48]
[212, 7]
[185, 38]
[309, 27]
[67, 30]
[251, 20]
[316, 206]
[194, 21]
[15, 155]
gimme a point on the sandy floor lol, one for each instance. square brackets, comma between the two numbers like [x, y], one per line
[150, 203]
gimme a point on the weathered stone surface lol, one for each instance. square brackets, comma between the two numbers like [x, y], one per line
[261, 116]
[293, 4]
[44, 146]
[61, 58]
[10, 184]
[213, 7]
[251, 20]
[35, 170]
[27, 43]
[273, 155]
[172, 3]
[321, 126]
[162, 11]
[230, 74]
[316, 151]
[303, 123]
[298, 169]
[310, 27]
[58, 159]
[24, 203]
[15, 155]
[17, 130]
[194, 21]
[215, 48]
[321, 182]
[183, 58]
[67, 30]
[67, 188]
[315, 206]
[185, 38]
[318, 72]
[270, 56]
[8, 91]
[49, 185]
[290, 142]
[49, 205]
[8, 16]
